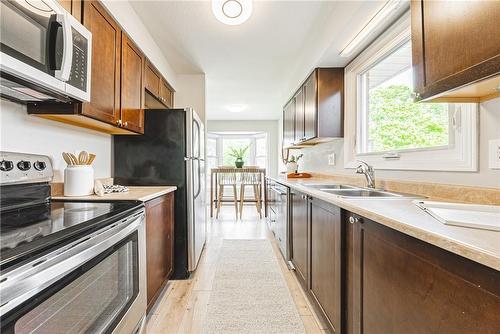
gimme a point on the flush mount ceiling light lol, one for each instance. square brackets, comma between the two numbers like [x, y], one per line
[232, 12]
[381, 16]
[236, 108]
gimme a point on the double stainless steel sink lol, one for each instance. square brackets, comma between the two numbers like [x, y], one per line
[358, 192]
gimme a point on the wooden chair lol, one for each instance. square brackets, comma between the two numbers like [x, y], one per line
[226, 176]
[251, 177]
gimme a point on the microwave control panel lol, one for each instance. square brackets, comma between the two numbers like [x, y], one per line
[78, 76]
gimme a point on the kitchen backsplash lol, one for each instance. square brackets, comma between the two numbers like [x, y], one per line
[316, 158]
[21, 132]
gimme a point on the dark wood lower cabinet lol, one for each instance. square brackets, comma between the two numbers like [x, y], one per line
[300, 236]
[398, 284]
[326, 255]
[159, 244]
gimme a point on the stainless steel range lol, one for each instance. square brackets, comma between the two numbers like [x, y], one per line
[67, 267]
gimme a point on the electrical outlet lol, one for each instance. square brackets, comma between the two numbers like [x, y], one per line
[494, 154]
[331, 159]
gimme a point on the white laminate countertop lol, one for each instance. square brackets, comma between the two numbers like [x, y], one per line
[403, 215]
[135, 193]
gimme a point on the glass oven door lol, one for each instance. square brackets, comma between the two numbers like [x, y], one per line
[92, 298]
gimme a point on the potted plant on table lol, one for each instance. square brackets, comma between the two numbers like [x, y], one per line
[292, 164]
[238, 154]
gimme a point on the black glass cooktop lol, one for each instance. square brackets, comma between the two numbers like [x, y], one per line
[28, 231]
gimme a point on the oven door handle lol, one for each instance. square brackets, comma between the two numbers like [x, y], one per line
[28, 280]
[67, 59]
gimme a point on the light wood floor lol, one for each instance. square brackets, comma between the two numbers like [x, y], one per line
[183, 305]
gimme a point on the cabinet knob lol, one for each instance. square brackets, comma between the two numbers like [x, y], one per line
[354, 220]
[119, 122]
[304, 197]
[125, 124]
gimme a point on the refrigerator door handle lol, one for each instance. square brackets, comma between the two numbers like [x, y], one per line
[199, 180]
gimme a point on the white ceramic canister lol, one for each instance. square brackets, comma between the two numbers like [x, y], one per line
[78, 180]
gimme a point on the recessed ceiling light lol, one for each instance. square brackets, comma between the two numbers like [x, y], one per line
[232, 12]
[236, 107]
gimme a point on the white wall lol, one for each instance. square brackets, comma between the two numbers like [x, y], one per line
[20, 132]
[269, 127]
[315, 158]
[125, 15]
[191, 93]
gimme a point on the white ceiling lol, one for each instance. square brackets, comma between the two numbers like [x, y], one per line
[260, 62]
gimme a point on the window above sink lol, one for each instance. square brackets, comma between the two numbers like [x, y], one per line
[387, 129]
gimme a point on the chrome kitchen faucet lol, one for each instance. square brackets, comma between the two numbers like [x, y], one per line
[369, 173]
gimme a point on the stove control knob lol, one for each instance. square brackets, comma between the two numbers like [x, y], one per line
[6, 165]
[39, 165]
[24, 165]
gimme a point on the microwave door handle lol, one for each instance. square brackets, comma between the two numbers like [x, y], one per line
[67, 59]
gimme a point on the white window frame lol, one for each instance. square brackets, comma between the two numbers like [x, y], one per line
[219, 137]
[460, 155]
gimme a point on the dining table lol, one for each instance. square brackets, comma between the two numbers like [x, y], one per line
[213, 182]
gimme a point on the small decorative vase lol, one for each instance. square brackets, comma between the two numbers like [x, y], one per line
[239, 163]
[292, 167]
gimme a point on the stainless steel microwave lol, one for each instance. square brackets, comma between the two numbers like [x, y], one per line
[45, 53]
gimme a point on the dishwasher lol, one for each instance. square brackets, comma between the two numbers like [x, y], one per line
[278, 198]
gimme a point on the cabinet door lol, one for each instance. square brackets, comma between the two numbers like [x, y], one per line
[104, 102]
[399, 284]
[300, 234]
[289, 124]
[166, 94]
[159, 244]
[299, 116]
[453, 43]
[310, 107]
[151, 79]
[132, 88]
[326, 259]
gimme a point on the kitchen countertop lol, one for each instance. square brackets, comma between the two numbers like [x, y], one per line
[134, 193]
[481, 246]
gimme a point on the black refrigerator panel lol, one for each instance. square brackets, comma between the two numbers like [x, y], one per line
[157, 158]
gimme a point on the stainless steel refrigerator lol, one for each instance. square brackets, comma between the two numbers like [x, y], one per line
[171, 152]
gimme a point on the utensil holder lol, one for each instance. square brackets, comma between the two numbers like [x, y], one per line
[78, 180]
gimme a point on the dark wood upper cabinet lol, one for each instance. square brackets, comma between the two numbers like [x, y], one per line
[159, 94]
[300, 236]
[310, 107]
[152, 79]
[289, 124]
[398, 284]
[326, 255]
[456, 50]
[166, 94]
[299, 116]
[159, 244]
[318, 108]
[104, 102]
[132, 92]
